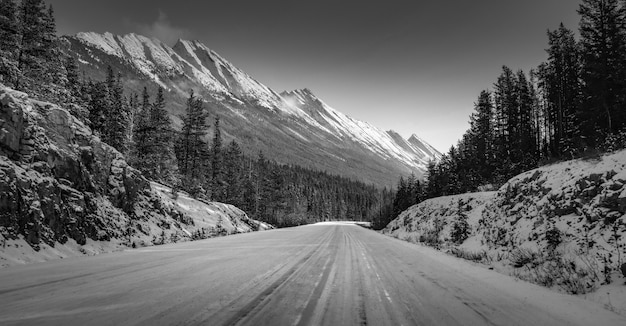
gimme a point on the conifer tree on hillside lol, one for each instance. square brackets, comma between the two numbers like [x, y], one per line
[525, 145]
[461, 229]
[191, 145]
[433, 188]
[35, 45]
[559, 78]
[275, 203]
[142, 134]
[505, 111]
[9, 42]
[115, 132]
[73, 83]
[98, 106]
[482, 135]
[249, 194]
[161, 162]
[133, 112]
[261, 186]
[603, 39]
[233, 174]
[217, 172]
[53, 61]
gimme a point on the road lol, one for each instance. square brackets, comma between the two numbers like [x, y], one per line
[311, 275]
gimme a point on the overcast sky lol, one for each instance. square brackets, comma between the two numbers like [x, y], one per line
[411, 66]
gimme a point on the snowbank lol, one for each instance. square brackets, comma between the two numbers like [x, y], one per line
[562, 226]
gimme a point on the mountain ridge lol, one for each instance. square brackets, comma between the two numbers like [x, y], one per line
[294, 127]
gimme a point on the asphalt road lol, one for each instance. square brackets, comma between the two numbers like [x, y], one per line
[311, 275]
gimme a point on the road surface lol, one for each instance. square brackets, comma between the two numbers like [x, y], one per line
[312, 275]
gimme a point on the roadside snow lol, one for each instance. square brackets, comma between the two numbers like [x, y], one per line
[210, 214]
[567, 222]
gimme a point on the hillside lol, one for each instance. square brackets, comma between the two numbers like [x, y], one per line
[561, 225]
[63, 192]
[294, 127]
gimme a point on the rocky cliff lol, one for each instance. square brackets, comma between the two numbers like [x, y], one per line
[60, 186]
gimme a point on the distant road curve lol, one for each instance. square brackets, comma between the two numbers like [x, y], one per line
[327, 274]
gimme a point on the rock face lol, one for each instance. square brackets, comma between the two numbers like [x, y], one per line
[55, 176]
[60, 183]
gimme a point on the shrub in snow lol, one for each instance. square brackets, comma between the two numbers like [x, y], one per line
[461, 229]
[553, 237]
[572, 273]
[523, 256]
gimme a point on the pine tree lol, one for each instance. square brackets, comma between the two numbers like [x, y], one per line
[261, 187]
[461, 229]
[249, 195]
[526, 153]
[161, 159]
[482, 135]
[603, 39]
[73, 84]
[191, 145]
[143, 134]
[115, 131]
[233, 174]
[217, 171]
[560, 81]
[35, 23]
[506, 118]
[9, 42]
[433, 184]
[98, 106]
[275, 196]
[133, 112]
[52, 58]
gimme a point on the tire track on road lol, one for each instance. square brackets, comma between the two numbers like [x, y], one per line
[256, 304]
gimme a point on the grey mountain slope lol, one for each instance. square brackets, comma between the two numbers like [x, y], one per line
[292, 127]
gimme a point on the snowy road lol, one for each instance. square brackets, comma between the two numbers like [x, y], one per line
[312, 275]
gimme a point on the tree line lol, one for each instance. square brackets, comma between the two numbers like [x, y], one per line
[570, 106]
[573, 105]
[29, 49]
[207, 168]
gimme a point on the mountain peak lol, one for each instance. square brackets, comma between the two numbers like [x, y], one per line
[415, 140]
[415, 137]
[337, 141]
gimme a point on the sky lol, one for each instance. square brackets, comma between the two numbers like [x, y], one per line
[416, 67]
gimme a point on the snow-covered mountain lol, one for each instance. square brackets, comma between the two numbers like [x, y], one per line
[292, 127]
[386, 144]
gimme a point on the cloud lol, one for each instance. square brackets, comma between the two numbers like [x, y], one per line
[163, 30]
